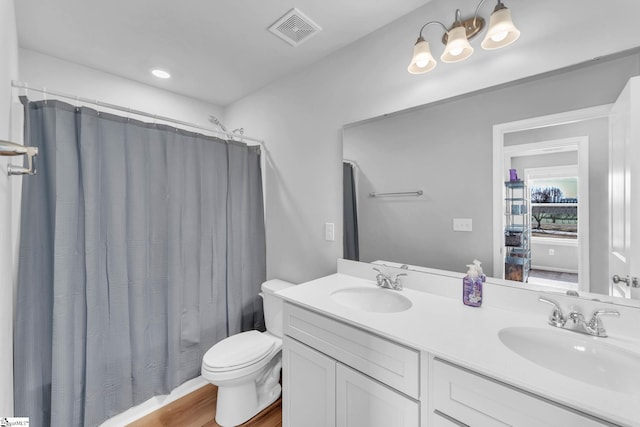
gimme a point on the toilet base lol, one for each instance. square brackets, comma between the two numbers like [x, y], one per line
[239, 403]
[234, 406]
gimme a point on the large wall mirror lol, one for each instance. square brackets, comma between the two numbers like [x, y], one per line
[427, 183]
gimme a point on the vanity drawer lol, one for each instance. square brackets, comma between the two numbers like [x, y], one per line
[474, 400]
[390, 363]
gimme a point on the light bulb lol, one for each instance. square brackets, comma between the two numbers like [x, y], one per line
[422, 61]
[498, 37]
[501, 30]
[458, 47]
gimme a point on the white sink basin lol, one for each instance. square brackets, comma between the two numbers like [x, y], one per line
[372, 299]
[581, 357]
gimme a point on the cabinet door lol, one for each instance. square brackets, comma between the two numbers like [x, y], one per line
[309, 381]
[363, 402]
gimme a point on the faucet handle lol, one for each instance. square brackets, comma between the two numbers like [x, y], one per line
[557, 317]
[382, 279]
[379, 272]
[397, 284]
[595, 323]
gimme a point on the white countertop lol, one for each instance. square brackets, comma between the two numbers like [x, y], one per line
[468, 336]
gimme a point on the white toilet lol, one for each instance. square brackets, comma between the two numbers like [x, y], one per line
[246, 366]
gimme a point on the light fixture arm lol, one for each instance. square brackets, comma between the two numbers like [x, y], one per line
[475, 15]
[499, 6]
[444, 27]
[458, 21]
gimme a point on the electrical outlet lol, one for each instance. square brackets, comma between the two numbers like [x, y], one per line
[462, 224]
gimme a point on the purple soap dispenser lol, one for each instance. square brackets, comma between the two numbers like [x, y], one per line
[472, 288]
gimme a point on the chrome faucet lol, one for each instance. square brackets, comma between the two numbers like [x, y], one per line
[386, 281]
[575, 320]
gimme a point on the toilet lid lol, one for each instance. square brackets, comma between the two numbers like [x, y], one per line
[238, 350]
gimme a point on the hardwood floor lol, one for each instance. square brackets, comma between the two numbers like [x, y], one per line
[554, 275]
[563, 281]
[198, 409]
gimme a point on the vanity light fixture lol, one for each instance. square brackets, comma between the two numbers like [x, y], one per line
[161, 74]
[501, 33]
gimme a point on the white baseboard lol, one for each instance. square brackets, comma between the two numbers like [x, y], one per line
[155, 403]
[554, 269]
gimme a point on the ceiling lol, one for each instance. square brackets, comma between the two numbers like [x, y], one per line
[218, 51]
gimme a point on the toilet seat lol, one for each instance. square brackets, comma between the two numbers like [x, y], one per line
[238, 351]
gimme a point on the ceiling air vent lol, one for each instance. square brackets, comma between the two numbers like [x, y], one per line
[295, 28]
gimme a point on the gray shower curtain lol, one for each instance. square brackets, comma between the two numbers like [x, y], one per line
[141, 247]
[350, 243]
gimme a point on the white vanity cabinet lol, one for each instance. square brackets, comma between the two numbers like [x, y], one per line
[309, 381]
[363, 402]
[338, 375]
[464, 398]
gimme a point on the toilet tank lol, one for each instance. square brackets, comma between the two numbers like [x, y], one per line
[273, 304]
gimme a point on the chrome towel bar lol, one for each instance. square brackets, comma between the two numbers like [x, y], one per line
[402, 193]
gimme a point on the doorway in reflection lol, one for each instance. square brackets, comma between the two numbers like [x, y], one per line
[555, 235]
[556, 172]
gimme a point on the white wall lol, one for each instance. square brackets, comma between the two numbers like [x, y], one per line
[43, 71]
[522, 163]
[8, 71]
[301, 116]
[564, 258]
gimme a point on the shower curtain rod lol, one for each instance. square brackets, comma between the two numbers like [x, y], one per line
[45, 91]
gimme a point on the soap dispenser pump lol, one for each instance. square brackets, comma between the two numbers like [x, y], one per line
[472, 287]
[478, 267]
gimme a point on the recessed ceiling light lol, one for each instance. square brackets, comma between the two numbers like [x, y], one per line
[161, 74]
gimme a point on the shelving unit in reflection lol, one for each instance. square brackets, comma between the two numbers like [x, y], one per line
[517, 232]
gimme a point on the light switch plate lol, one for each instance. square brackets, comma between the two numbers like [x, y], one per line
[329, 231]
[462, 224]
